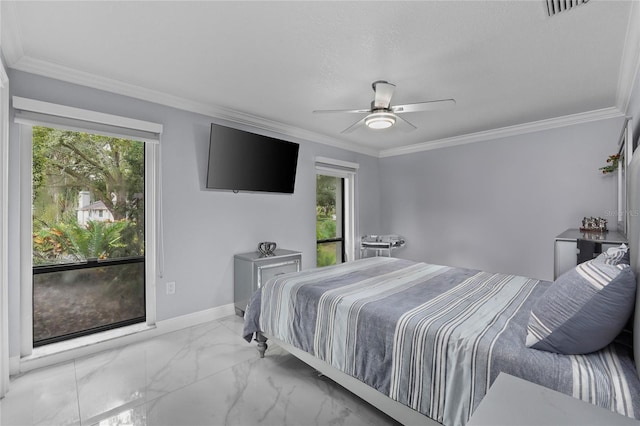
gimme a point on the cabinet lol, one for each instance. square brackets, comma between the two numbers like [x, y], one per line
[251, 270]
[566, 247]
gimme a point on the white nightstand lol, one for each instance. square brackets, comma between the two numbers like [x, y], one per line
[251, 270]
[516, 402]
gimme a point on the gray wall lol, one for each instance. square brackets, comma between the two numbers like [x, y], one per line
[497, 205]
[202, 228]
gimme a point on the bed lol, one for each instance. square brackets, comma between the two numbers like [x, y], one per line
[424, 342]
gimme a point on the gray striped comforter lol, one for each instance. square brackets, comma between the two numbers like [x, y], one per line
[432, 337]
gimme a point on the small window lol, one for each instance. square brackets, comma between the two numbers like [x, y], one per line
[335, 211]
[329, 220]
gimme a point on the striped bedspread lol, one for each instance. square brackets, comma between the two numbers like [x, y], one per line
[431, 337]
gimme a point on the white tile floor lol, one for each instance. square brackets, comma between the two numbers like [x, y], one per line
[203, 375]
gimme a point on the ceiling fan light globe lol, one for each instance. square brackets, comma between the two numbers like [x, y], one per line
[380, 120]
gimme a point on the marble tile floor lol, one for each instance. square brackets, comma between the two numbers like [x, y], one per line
[203, 375]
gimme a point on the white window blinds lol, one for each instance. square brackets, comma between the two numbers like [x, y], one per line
[39, 113]
[334, 167]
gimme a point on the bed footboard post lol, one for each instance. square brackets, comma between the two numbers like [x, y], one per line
[262, 343]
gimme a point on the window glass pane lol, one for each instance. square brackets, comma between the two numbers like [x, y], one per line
[80, 300]
[329, 253]
[88, 206]
[328, 207]
[88, 197]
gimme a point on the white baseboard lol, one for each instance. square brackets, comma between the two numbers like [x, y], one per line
[184, 321]
[14, 365]
[57, 353]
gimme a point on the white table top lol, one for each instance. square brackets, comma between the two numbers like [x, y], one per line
[610, 237]
[515, 402]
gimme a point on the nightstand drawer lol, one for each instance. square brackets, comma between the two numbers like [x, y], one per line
[267, 271]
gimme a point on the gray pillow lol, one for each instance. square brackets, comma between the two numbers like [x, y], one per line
[615, 255]
[583, 310]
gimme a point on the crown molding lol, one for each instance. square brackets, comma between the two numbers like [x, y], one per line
[630, 63]
[503, 132]
[47, 69]
[70, 75]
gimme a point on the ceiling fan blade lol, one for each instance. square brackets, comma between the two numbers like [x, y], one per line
[404, 125]
[354, 126]
[384, 92]
[424, 106]
[357, 111]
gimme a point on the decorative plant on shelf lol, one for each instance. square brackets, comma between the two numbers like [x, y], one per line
[612, 164]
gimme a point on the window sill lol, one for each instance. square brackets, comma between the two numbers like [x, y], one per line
[55, 353]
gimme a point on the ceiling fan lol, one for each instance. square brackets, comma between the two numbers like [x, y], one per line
[382, 115]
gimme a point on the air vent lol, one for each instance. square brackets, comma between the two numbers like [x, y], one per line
[557, 6]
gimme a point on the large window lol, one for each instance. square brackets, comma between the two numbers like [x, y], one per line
[88, 233]
[335, 211]
[88, 222]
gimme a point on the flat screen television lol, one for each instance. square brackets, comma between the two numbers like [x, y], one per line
[244, 161]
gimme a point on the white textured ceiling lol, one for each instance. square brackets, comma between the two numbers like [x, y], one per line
[506, 63]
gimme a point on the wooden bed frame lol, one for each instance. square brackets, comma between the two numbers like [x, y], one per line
[407, 415]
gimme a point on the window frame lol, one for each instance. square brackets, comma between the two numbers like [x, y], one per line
[4, 230]
[341, 239]
[89, 263]
[32, 112]
[348, 171]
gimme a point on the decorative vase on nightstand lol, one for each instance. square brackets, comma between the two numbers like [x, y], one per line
[266, 248]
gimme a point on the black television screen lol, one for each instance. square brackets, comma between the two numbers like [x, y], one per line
[244, 161]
